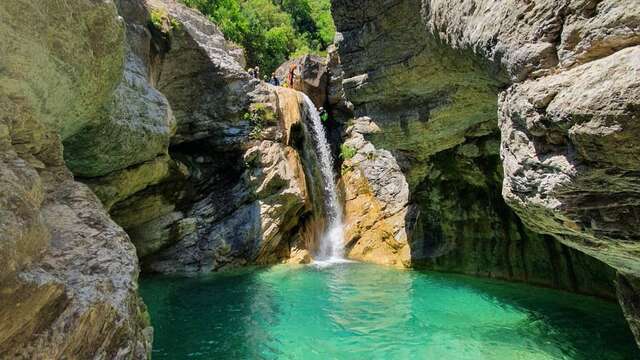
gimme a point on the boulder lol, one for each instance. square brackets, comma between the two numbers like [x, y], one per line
[311, 77]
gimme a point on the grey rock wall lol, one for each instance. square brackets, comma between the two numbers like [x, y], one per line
[554, 82]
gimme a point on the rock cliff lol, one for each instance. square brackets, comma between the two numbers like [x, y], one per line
[491, 140]
[185, 156]
[533, 102]
[69, 274]
[311, 77]
[235, 188]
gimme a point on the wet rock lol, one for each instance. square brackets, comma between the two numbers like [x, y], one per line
[628, 288]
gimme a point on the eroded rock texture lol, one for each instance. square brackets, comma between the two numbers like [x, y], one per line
[229, 184]
[562, 79]
[376, 198]
[185, 156]
[69, 273]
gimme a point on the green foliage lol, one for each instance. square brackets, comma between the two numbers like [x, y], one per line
[259, 116]
[157, 18]
[347, 152]
[175, 24]
[161, 20]
[272, 31]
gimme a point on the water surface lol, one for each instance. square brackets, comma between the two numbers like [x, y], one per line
[359, 311]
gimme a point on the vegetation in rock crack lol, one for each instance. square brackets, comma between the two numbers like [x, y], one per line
[259, 116]
[347, 152]
[272, 31]
[162, 22]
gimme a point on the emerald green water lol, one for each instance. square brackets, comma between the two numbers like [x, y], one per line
[358, 311]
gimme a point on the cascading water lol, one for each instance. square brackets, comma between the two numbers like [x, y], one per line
[331, 243]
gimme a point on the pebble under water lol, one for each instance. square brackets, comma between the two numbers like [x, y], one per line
[361, 311]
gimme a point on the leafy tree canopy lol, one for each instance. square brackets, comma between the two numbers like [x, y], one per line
[272, 31]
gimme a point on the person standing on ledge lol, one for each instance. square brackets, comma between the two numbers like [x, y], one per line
[274, 80]
[291, 75]
[257, 72]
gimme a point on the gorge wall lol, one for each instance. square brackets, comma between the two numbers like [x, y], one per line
[185, 155]
[535, 103]
[131, 137]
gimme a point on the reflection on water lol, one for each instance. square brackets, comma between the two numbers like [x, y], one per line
[358, 311]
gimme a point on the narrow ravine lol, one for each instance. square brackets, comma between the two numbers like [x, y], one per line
[331, 247]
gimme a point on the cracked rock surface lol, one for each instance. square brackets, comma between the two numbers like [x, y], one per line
[538, 99]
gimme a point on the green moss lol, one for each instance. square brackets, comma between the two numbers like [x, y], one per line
[347, 152]
[157, 17]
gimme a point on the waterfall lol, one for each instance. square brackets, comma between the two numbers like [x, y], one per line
[331, 242]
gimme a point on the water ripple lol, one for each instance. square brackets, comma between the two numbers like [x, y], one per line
[358, 311]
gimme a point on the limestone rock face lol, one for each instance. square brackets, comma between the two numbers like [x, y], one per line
[311, 77]
[202, 78]
[465, 226]
[199, 165]
[628, 288]
[376, 201]
[254, 217]
[529, 39]
[559, 77]
[571, 149]
[69, 274]
[231, 188]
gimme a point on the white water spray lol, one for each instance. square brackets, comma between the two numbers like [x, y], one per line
[331, 243]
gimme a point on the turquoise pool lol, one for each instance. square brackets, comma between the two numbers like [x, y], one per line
[360, 311]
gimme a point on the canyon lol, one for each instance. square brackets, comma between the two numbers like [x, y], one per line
[496, 141]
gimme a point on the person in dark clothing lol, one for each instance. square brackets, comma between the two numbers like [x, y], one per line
[274, 80]
[324, 116]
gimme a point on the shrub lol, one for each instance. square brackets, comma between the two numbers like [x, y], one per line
[160, 19]
[259, 116]
[347, 152]
[157, 18]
